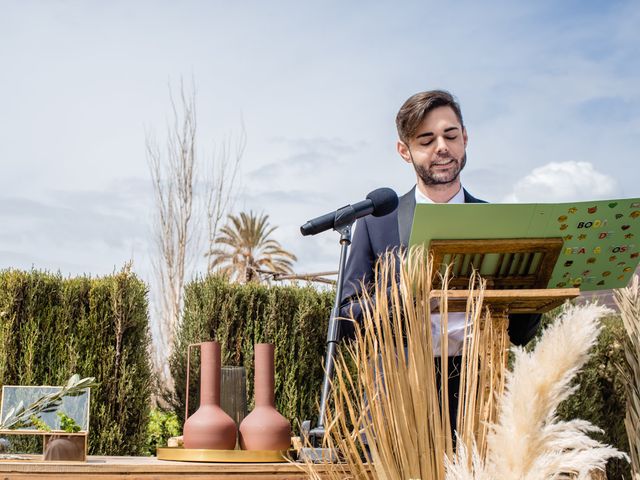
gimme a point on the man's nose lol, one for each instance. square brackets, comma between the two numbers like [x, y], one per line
[441, 145]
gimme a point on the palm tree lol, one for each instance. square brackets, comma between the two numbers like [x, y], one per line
[245, 248]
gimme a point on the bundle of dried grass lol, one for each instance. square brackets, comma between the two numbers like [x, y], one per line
[485, 357]
[628, 301]
[528, 442]
[391, 412]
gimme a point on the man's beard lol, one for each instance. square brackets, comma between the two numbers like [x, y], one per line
[431, 177]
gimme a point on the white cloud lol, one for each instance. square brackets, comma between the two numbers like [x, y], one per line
[563, 181]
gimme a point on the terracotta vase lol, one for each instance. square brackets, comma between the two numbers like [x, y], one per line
[210, 427]
[264, 428]
[61, 448]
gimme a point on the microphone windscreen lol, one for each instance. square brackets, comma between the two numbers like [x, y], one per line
[384, 201]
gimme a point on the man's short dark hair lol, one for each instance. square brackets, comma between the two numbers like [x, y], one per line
[416, 108]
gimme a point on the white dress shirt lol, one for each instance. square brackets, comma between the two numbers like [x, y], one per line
[455, 320]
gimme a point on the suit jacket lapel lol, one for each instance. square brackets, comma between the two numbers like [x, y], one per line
[468, 198]
[406, 207]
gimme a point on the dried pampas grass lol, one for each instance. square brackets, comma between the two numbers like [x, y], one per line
[628, 301]
[528, 442]
[389, 420]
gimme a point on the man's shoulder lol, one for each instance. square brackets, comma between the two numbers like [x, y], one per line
[380, 232]
[383, 221]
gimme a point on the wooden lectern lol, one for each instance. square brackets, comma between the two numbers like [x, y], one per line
[517, 272]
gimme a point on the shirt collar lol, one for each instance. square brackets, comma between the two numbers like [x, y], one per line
[457, 198]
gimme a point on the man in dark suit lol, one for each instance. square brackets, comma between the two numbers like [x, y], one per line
[433, 139]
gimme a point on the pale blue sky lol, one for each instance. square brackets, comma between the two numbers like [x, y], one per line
[549, 90]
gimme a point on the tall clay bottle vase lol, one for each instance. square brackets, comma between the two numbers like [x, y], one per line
[264, 428]
[210, 427]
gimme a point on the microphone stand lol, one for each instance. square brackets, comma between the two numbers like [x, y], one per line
[332, 333]
[344, 220]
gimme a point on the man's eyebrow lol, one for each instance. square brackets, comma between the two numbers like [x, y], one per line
[430, 134]
[425, 134]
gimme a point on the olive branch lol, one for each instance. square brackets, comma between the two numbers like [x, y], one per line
[21, 416]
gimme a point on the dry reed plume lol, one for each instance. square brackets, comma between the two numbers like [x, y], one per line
[393, 401]
[628, 301]
[528, 442]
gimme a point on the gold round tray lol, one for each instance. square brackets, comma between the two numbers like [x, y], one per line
[221, 456]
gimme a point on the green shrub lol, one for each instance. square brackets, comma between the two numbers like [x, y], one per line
[52, 327]
[162, 426]
[238, 316]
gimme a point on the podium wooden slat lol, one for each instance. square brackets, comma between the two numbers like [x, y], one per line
[514, 268]
[511, 301]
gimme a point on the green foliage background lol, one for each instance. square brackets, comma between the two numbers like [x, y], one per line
[52, 327]
[238, 316]
[162, 426]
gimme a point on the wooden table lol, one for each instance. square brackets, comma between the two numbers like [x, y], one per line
[146, 468]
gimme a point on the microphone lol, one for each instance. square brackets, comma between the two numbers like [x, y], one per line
[380, 202]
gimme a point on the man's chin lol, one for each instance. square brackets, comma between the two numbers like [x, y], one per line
[441, 179]
[429, 176]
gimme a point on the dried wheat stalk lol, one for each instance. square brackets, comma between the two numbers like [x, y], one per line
[489, 343]
[628, 301]
[394, 402]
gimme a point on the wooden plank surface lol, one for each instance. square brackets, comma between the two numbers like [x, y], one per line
[513, 301]
[108, 468]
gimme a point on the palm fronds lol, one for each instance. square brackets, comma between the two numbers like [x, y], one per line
[244, 248]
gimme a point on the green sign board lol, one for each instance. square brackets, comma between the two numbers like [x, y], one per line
[601, 238]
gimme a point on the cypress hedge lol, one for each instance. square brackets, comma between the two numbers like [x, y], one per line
[238, 316]
[52, 327]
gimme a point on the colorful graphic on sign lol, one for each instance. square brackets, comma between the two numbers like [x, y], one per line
[601, 248]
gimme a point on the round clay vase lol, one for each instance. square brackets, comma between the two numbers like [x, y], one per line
[264, 428]
[64, 449]
[210, 427]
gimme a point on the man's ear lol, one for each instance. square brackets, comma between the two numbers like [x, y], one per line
[464, 136]
[403, 150]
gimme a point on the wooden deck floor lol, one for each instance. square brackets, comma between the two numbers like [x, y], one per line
[142, 468]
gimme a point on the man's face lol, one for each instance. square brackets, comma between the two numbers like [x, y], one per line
[437, 150]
